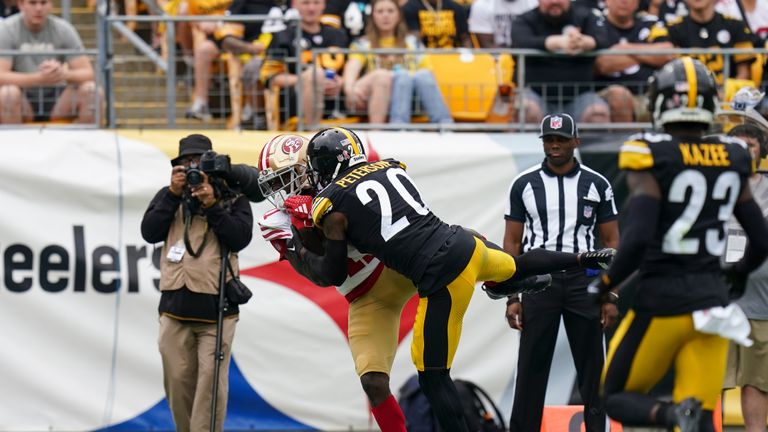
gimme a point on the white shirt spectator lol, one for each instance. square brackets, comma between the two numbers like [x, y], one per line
[757, 18]
[495, 17]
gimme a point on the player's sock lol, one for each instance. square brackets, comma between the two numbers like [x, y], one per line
[444, 399]
[634, 409]
[389, 416]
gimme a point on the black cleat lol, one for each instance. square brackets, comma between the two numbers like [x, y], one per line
[599, 259]
[529, 285]
[687, 415]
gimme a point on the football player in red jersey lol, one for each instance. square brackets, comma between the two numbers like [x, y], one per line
[684, 188]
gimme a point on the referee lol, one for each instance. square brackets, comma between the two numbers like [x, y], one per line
[556, 206]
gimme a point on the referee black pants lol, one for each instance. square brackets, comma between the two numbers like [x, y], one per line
[566, 297]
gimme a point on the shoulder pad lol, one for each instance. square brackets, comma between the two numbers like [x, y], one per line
[635, 154]
[733, 140]
[646, 17]
[321, 206]
[395, 162]
[675, 21]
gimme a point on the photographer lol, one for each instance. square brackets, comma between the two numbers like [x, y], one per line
[195, 216]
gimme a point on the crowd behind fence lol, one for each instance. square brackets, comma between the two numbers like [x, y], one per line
[489, 99]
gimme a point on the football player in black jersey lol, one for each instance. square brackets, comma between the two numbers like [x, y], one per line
[376, 208]
[684, 187]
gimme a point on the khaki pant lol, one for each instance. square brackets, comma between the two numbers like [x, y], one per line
[187, 350]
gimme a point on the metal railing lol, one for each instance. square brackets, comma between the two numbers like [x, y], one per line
[109, 24]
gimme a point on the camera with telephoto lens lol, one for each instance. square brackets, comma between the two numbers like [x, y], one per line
[211, 163]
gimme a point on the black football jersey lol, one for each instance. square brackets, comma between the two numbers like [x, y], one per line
[719, 32]
[282, 49]
[647, 29]
[700, 180]
[387, 218]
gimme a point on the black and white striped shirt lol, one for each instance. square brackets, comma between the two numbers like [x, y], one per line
[560, 212]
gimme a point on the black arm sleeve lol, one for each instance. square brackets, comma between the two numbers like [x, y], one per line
[331, 268]
[159, 216]
[303, 268]
[640, 226]
[542, 261]
[233, 227]
[751, 219]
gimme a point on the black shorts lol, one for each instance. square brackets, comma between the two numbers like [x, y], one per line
[289, 105]
[43, 99]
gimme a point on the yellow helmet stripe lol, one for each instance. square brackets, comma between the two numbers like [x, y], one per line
[355, 148]
[690, 76]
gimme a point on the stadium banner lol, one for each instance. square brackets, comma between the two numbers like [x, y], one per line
[78, 303]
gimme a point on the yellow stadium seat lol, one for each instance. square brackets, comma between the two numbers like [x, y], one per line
[469, 81]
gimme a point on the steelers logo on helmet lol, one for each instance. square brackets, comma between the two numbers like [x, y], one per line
[682, 91]
[283, 166]
[331, 152]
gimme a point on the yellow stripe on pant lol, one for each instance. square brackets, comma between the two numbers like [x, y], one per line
[644, 347]
[447, 310]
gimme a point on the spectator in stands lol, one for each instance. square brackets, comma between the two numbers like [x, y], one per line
[8, 8]
[756, 14]
[439, 23]
[703, 27]
[748, 366]
[627, 74]
[346, 15]
[561, 82]
[44, 86]
[490, 21]
[386, 29]
[247, 38]
[319, 80]
[367, 77]
[207, 47]
[667, 10]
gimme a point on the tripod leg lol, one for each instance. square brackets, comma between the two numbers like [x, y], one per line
[219, 323]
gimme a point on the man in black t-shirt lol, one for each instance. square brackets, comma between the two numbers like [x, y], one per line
[439, 23]
[625, 75]
[564, 82]
[319, 80]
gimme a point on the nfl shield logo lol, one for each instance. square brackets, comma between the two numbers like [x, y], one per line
[555, 122]
[587, 211]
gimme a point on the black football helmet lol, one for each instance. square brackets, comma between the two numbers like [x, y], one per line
[331, 152]
[683, 90]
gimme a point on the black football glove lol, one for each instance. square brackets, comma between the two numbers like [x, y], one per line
[737, 279]
[599, 292]
[529, 285]
[294, 244]
[599, 259]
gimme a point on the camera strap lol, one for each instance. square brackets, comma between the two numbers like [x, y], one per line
[187, 243]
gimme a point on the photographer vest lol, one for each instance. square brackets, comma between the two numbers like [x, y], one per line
[199, 274]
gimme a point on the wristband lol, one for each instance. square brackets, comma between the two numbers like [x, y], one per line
[611, 298]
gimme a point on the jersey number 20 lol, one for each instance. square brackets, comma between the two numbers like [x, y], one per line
[726, 185]
[395, 176]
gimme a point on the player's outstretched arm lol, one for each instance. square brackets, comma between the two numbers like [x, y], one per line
[332, 266]
[298, 263]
